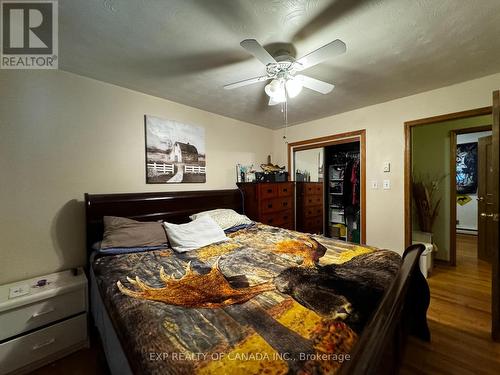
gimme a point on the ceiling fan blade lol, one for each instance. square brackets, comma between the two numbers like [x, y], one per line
[315, 84]
[246, 82]
[332, 49]
[252, 46]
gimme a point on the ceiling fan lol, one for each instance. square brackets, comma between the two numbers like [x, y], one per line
[283, 70]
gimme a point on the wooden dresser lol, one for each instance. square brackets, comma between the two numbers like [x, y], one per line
[270, 203]
[310, 218]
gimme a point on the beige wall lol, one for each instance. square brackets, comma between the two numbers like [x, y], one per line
[62, 135]
[385, 142]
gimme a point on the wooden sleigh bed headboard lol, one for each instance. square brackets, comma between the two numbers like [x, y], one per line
[174, 207]
[380, 346]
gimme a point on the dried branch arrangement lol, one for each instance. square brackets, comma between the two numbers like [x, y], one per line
[425, 193]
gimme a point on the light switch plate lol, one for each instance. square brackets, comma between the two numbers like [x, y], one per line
[387, 184]
[387, 166]
[374, 184]
[19, 290]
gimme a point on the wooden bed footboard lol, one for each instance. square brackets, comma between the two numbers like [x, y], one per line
[402, 311]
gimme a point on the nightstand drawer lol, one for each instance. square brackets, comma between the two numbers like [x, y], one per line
[25, 318]
[43, 343]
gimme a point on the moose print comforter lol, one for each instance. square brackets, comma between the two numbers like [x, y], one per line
[268, 301]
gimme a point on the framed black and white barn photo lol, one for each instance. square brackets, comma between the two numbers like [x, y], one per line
[175, 152]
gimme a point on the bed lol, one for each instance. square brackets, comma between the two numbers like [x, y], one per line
[269, 300]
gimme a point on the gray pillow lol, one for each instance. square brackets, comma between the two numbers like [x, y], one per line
[123, 232]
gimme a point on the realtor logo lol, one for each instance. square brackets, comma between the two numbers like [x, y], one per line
[29, 34]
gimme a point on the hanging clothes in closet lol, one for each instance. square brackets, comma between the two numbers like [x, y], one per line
[351, 196]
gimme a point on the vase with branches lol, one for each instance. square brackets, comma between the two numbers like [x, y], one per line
[427, 201]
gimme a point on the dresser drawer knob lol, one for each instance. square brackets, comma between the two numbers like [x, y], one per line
[270, 205]
[269, 191]
[285, 203]
[44, 344]
[40, 313]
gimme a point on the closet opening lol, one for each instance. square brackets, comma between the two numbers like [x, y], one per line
[342, 193]
[330, 194]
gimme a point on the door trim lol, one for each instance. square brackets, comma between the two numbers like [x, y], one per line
[352, 136]
[453, 186]
[495, 292]
[408, 125]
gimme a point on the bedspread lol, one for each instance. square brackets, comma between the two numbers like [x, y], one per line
[268, 301]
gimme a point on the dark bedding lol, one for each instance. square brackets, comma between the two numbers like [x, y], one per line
[268, 301]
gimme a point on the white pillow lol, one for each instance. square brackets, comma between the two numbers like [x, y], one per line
[195, 234]
[225, 217]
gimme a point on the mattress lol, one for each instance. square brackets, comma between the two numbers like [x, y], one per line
[269, 300]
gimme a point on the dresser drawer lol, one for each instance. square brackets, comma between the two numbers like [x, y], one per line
[313, 189]
[273, 205]
[268, 191]
[285, 190]
[278, 218]
[313, 211]
[313, 225]
[313, 200]
[37, 314]
[43, 343]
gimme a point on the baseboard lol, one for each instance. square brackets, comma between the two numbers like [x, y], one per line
[471, 232]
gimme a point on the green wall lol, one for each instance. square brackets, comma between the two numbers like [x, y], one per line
[431, 155]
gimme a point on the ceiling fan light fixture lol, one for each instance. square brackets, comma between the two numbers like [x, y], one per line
[293, 87]
[273, 88]
[280, 96]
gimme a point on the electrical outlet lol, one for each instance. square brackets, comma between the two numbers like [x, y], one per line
[374, 184]
[387, 166]
[19, 290]
[387, 184]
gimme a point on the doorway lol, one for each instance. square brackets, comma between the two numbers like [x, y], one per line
[470, 157]
[492, 214]
[313, 185]
[342, 191]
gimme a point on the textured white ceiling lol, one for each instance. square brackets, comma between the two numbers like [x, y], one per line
[186, 50]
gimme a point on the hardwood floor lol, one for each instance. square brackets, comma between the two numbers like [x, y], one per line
[460, 319]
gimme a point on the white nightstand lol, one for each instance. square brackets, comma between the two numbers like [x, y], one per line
[42, 323]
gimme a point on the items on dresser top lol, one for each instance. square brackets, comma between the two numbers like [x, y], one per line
[42, 319]
[269, 202]
[309, 209]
